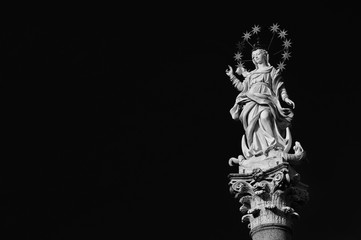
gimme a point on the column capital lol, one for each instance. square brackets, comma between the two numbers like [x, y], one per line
[269, 197]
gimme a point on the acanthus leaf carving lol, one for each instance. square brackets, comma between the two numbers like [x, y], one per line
[244, 209]
[290, 211]
[261, 189]
[246, 218]
[271, 195]
[254, 212]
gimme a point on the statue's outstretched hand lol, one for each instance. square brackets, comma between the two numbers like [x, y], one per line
[290, 102]
[229, 72]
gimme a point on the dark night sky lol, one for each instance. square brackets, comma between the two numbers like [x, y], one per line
[117, 126]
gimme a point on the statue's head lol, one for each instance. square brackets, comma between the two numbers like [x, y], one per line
[260, 56]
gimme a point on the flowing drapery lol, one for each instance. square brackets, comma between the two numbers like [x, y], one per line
[260, 92]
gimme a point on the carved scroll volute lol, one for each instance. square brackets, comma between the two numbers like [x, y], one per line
[240, 188]
[280, 180]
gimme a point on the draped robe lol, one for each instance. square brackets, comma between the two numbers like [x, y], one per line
[261, 91]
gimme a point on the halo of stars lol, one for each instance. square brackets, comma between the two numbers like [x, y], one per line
[276, 32]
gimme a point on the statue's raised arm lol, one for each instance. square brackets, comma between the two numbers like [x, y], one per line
[236, 82]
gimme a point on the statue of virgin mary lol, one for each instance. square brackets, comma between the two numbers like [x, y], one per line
[265, 121]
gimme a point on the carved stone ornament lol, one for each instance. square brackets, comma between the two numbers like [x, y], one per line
[269, 197]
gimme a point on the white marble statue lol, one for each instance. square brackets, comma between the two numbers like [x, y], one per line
[258, 106]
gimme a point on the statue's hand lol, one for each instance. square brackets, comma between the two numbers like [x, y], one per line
[290, 102]
[229, 72]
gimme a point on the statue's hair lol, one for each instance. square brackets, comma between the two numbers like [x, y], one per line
[264, 52]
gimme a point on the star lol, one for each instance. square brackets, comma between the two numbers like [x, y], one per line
[281, 66]
[256, 29]
[238, 56]
[282, 34]
[240, 65]
[240, 45]
[287, 43]
[246, 35]
[286, 55]
[275, 27]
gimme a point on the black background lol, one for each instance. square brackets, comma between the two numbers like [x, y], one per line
[116, 121]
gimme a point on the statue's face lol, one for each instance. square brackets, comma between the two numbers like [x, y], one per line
[259, 56]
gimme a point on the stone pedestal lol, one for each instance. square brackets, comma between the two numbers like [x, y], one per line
[270, 194]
